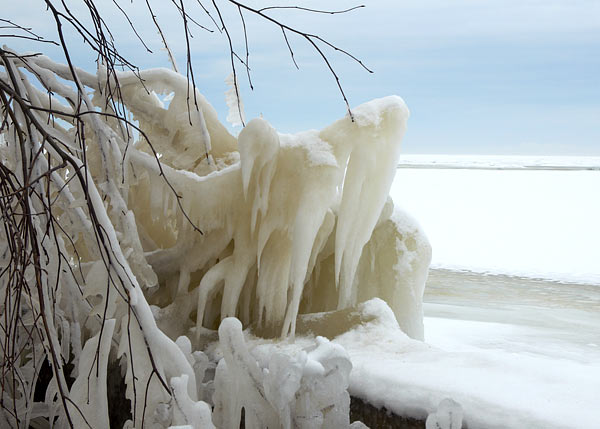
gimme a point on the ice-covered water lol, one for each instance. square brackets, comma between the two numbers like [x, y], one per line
[504, 215]
[466, 311]
[534, 223]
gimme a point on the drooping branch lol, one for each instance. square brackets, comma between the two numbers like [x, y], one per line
[312, 39]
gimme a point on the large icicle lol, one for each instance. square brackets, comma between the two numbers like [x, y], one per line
[375, 140]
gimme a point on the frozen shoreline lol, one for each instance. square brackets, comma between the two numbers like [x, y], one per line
[563, 317]
[513, 352]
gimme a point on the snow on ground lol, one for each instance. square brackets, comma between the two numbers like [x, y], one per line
[497, 389]
[521, 222]
[507, 364]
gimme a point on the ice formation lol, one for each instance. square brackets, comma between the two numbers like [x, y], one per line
[235, 115]
[285, 226]
[303, 388]
[449, 415]
[182, 226]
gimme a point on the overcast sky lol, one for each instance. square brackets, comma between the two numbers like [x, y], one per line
[479, 76]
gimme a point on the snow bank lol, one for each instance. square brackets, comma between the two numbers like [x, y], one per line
[493, 387]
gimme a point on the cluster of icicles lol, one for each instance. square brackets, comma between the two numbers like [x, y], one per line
[226, 233]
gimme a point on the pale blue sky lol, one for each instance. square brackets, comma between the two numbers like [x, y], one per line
[479, 76]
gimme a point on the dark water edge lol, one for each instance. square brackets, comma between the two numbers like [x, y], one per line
[375, 417]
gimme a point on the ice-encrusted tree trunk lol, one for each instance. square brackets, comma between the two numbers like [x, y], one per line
[132, 228]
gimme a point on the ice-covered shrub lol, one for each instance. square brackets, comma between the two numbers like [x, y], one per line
[132, 240]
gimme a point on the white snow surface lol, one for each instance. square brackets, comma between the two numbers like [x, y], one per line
[497, 386]
[533, 223]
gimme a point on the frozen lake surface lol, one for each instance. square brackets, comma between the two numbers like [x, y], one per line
[533, 223]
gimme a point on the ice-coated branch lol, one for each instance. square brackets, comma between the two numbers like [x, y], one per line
[44, 198]
[306, 9]
[312, 39]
